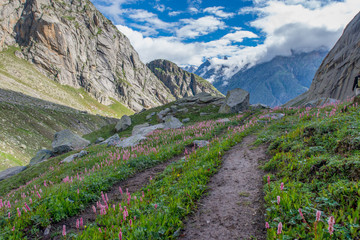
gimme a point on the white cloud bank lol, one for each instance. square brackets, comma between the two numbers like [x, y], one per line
[302, 25]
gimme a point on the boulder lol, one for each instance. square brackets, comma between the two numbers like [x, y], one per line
[41, 156]
[236, 100]
[172, 123]
[99, 140]
[200, 143]
[62, 149]
[131, 141]
[161, 115]
[205, 97]
[72, 157]
[11, 172]
[259, 106]
[111, 141]
[274, 116]
[174, 108]
[66, 139]
[183, 110]
[150, 115]
[186, 120]
[224, 120]
[123, 124]
[145, 129]
[203, 114]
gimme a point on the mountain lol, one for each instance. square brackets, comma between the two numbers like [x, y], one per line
[190, 68]
[180, 82]
[72, 43]
[275, 82]
[335, 76]
[213, 72]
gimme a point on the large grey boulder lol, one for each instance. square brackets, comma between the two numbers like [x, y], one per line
[111, 141]
[205, 97]
[237, 100]
[131, 141]
[145, 129]
[74, 156]
[123, 124]
[41, 156]
[67, 140]
[172, 123]
[201, 143]
[11, 172]
[161, 115]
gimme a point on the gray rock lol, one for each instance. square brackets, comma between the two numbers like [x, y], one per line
[62, 149]
[74, 156]
[224, 120]
[47, 230]
[123, 124]
[259, 106]
[186, 120]
[236, 100]
[172, 123]
[174, 108]
[200, 143]
[70, 139]
[150, 115]
[204, 114]
[11, 172]
[19, 54]
[161, 115]
[274, 116]
[145, 129]
[206, 98]
[131, 141]
[111, 141]
[183, 110]
[321, 102]
[137, 129]
[41, 156]
[99, 140]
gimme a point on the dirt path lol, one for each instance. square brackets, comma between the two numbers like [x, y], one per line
[133, 184]
[233, 209]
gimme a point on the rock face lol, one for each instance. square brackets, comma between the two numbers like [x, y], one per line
[123, 124]
[11, 172]
[180, 82]
[74, 44]
[335, 77]
[236, 100]
[41, 156]
[69, 140]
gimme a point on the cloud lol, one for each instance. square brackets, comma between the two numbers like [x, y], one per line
[149, 18]
[160, 7]
[239, 36]
[174, 13]
[198, 27]
[218, 11]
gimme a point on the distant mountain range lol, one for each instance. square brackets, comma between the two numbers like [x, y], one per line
[272, 83]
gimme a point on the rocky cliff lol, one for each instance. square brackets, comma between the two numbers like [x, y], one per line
[335, 77]
[180, 82]
[74, 44]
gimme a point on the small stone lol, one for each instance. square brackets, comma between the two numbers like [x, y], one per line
[47, 230]
[203, 114]
[186, 120]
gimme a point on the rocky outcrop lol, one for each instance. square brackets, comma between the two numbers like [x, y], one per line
[11, 172]
[237, 100]
[74, 44]
[335, 77]
[123, 124]
[74, 156]
[41, 156]
[65, 141]
[180, 82]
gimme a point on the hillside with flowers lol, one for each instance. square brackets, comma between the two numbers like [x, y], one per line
[310, 181]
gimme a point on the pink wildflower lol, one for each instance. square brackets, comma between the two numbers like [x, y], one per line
[100, 230]
[278, 200]
[279, 230]
[77, 223]
[94, 209]
[318, 214]
[331, 223]
[155, 206]
[268, 180]
[64, 231]
[38, 194]
[45, 183]
[13, 229]
[120, 190]
[120, 235]
[81, 222]
[18, 212]
[27, 207]
[9, 215]
[78, 191]
[282, 186]
[267, 225]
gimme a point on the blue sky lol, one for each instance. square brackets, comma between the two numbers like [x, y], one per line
[246, 31]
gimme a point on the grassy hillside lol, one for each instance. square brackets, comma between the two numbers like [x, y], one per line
[314, 153]
[18, 75]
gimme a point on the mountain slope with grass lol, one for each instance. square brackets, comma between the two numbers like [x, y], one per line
[72, 43]
[180, 82]
[312, 169]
